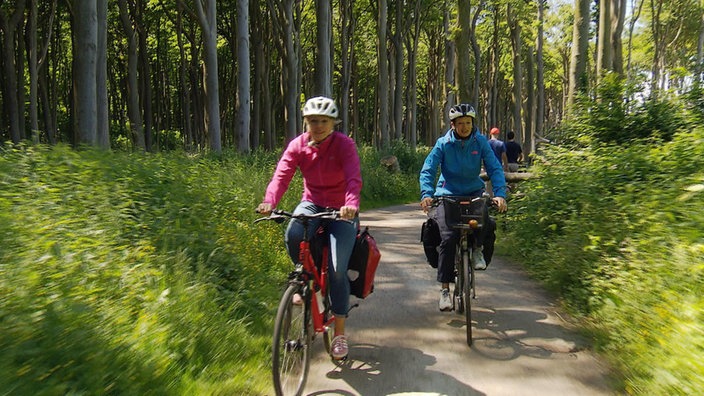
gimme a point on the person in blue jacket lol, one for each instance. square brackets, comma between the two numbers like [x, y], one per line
[460, 154]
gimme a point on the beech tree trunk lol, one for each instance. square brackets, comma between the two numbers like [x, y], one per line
[382, 83]
[85, 71]
[207, 14]
[580, 52]
[243, 78]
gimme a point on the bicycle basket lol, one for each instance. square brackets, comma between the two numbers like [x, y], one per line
[464, 210]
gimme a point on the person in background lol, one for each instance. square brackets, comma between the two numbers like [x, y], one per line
[329, 163]
[498, 147]
[514, 152]
[460, 154]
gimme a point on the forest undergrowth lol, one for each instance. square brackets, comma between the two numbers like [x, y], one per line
[132, 273]
[615, 228]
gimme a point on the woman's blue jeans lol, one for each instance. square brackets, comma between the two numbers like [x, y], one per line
[341, 237]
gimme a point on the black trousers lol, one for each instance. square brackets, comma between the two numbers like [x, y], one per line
[446, 251]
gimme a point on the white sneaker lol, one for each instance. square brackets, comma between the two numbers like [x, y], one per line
[445, 303]
[478, 258]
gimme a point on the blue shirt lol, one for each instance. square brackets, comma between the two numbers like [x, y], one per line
[460, 162]
[499, 148]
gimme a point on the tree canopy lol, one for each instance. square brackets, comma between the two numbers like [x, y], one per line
[189, 75]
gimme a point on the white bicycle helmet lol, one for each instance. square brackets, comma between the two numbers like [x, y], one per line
[320, 105]
[462, 110]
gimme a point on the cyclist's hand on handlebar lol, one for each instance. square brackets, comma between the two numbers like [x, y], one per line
[500, 203]
[264, 208]
[425, 203]
[348, 212]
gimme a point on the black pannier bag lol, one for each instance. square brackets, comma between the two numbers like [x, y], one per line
[430, 237]
[362, 265]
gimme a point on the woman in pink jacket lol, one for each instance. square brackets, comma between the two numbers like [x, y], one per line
[329, 163]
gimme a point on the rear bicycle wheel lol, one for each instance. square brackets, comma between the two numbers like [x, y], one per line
[468, 288]
[291, 343]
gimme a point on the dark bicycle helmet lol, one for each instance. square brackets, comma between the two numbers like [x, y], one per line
[462, 110]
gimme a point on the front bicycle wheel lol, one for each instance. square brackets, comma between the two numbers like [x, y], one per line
[291, 344]
[467, 288]
[458, 294]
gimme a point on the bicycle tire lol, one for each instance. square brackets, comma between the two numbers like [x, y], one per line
[458, 294]
[467, 296]
[291, 344]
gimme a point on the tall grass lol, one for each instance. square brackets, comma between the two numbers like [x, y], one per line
[618, 232]
[141, 273]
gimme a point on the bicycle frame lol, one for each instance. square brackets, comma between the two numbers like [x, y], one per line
[315, 281]
[293, 330]
[469, 223]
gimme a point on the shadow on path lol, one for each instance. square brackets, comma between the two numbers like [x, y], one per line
[369, 373]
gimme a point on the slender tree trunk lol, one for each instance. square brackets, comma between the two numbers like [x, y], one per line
[494, 71]
[516, 43]
[604, 60]
[21, 78]
[42, 81]
[618, 19]
[323, 69]
[463, 45]
[184, 91]
[286, 29]
[398, 38]
[658, 46]
[382, 84]
[529, 109]
[243, 78]
[540, 109]
[433, 91]
[145, 73]
[348, 23]
[411, 114]
[580, 48]
[699, 76]
[9, 25]
[85, 71]
[450, 96]
[33, 74]
[477, 55]
[207, 14]
[134, 112]
[700, 49]
[101, 77]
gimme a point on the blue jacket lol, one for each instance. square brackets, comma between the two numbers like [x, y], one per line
[460, 163]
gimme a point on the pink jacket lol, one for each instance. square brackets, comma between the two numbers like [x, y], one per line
[331, 172]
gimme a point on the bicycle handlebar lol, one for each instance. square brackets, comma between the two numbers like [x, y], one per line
[279, 216]
[453, 199]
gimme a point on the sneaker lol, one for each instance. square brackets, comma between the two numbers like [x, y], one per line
[339, 348]
[445, 303]
[478, 258]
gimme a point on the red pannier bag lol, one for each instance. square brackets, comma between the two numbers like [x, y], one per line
[363, 263]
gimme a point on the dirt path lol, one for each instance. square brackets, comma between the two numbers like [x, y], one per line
[400, 343]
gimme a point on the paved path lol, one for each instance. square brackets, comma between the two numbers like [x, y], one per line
[401, 344]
